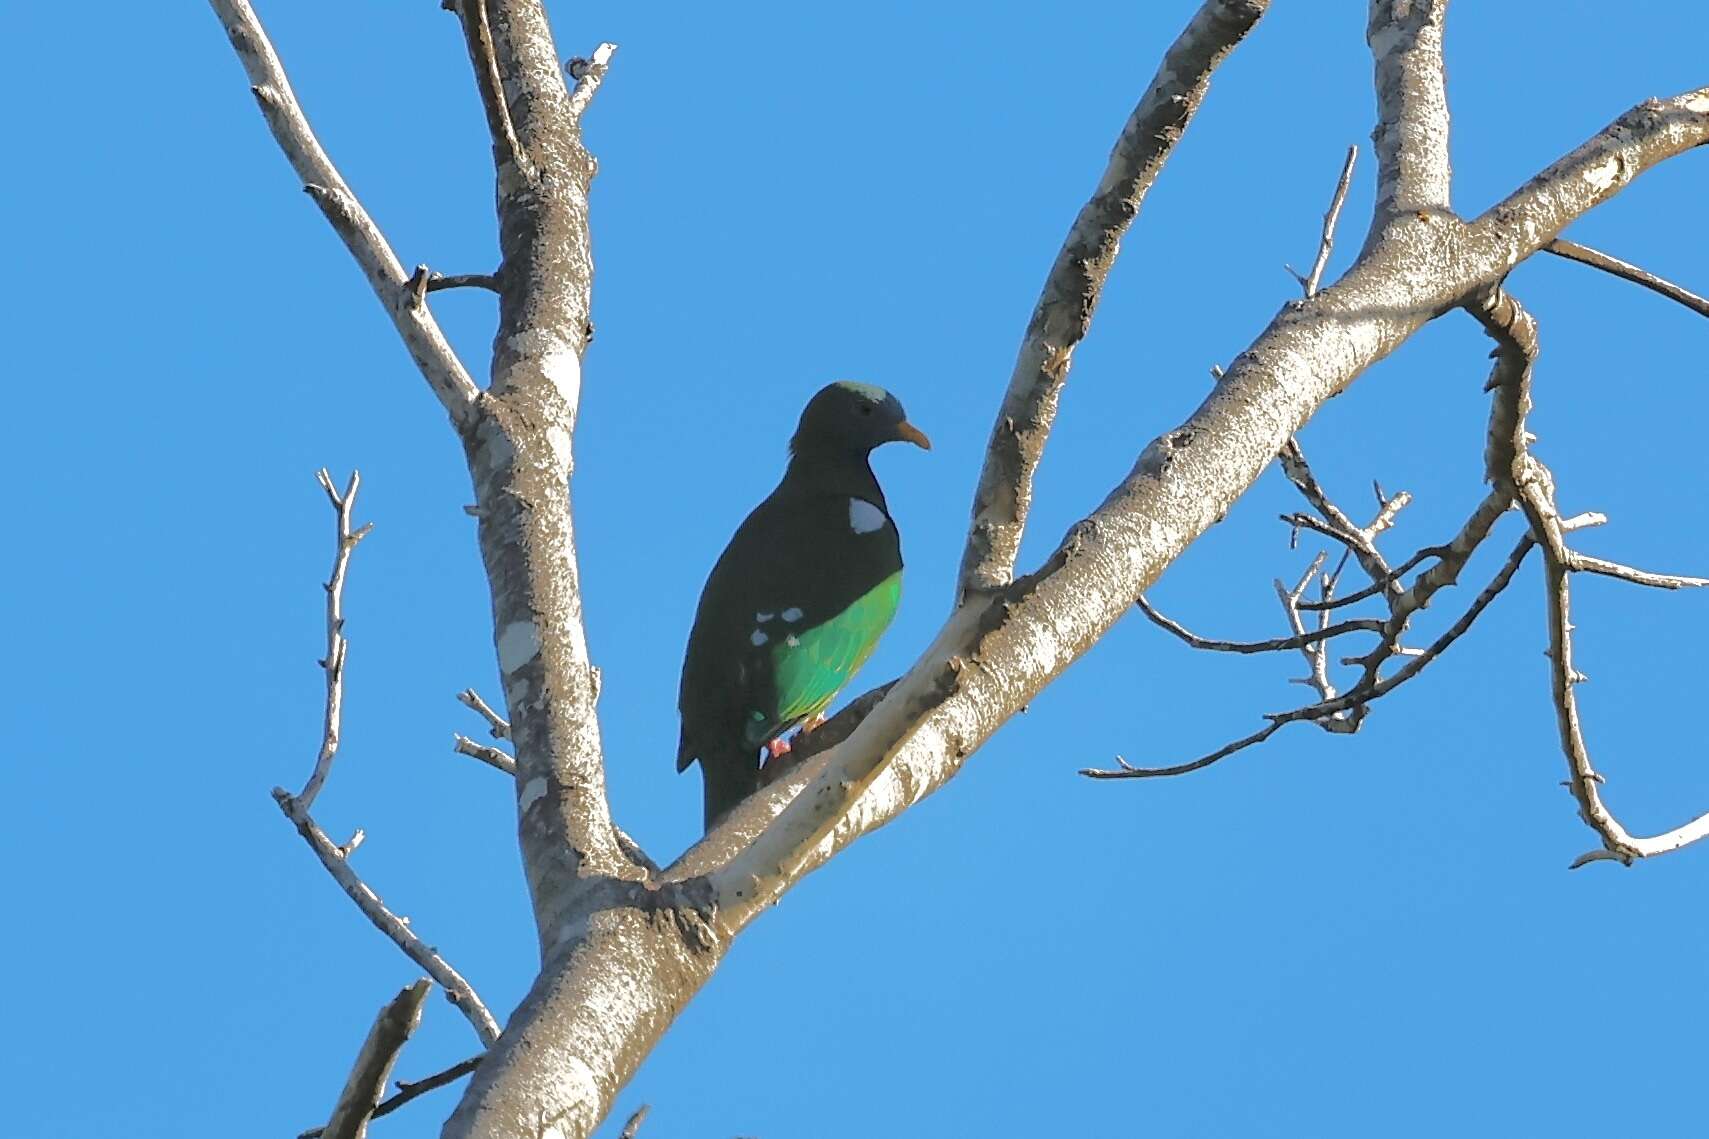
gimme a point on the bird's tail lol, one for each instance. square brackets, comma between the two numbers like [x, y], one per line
[730, 775]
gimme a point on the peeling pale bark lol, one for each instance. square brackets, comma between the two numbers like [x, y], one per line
[624, 946]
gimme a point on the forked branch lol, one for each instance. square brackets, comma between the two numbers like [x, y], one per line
[1515, 334]
[336, 858]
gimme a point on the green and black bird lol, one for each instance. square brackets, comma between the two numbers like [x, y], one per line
[799, 597]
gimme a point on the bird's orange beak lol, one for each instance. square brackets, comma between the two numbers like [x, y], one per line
[909, 433]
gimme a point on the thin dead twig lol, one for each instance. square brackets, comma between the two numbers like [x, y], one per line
[1585, 255]
[491, 756]
[1354, 700]
[635, 1120]
[337, 646]
[1316, 652]
[1128, 771]
[425, 280]
[1278, 644]
[1335, 523]
[1311, 281]
[410, 1091]
[1584, 563]
[499, 725]
[1377, 586]
[1533, 484]
[296, 807]
[457, 990]
[1345, 712]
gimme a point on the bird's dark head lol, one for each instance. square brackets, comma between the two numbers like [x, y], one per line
[850, 418]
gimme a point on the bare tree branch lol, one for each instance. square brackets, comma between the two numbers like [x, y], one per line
[427, 345]
[1534, 215]
[486, 753]
[1128, 771]
[1585, 255]
[1368, 688]
[631, 1128]
[1315, 652]
[411, 1091]
[1378, 586]
[1345, 713]
[1312, 280]
[1515, 334]
[1075, 284]
[1411, 138]
[336, 645]
[457, 990]
[589, 74]
[1359, 540]
[471, 699]
[424, 281]
[1299, 641]
[1584, 563]
[296, 808]
[367, 1083]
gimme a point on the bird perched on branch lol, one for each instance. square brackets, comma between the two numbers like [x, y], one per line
[799, 597]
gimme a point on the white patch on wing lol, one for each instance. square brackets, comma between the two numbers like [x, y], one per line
[764, 617]
[757, 639]
[864, 517]
[792, 640]
[792, 614]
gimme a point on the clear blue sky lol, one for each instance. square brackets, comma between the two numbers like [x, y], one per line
[1331, 936]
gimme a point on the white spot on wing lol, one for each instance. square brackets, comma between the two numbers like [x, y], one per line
[864, 517]
[763, 617]
[792, 640]
[517, 645]
[758, 638]
[792, 614]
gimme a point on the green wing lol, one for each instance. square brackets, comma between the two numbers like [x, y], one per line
[808, 669]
